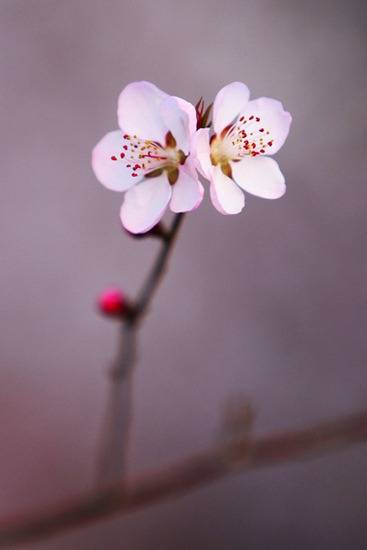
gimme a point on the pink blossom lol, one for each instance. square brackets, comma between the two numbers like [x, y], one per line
[235, 157]
[149, 157]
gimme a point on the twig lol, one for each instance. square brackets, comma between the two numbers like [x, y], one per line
[115, 435]
[158, 270]
[192, 473]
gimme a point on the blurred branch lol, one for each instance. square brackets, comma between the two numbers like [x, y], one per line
[115, 435]
[116, 430]
[239, 456]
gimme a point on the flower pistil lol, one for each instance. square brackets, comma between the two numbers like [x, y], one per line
[245, 137]
[151, 158]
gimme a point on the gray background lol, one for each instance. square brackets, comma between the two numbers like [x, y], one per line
[270, 303]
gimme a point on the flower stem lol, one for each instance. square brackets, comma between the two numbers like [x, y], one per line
[158, 269]
[115, 435]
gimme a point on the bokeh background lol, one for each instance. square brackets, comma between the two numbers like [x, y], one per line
[270, 304]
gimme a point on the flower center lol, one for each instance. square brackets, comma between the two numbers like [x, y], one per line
[245, 137]
[151, 157]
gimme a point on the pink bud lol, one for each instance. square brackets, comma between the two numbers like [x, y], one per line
[113, 302]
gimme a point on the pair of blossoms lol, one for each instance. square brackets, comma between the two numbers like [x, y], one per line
[159, 151]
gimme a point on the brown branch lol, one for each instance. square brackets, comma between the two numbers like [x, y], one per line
[239, 456]
[115, 435]
[158, 270]
[116, 429]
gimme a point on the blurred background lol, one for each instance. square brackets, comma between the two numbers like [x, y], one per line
[270, 303]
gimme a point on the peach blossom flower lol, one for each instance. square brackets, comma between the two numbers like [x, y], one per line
[149, 158]
[236, 157]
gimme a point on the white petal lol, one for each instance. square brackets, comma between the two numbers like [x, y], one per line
[259, 176]
[187, 192]
[176, 121]
[139, 111]
[190, 111]
[229, 102]
[144, 204]
[113, 174]
[273, 119]
[201, 152]
[226, 196]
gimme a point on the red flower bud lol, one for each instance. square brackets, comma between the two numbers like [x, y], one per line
[113, 302]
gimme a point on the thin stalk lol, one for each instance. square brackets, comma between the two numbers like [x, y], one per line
[116, 431]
